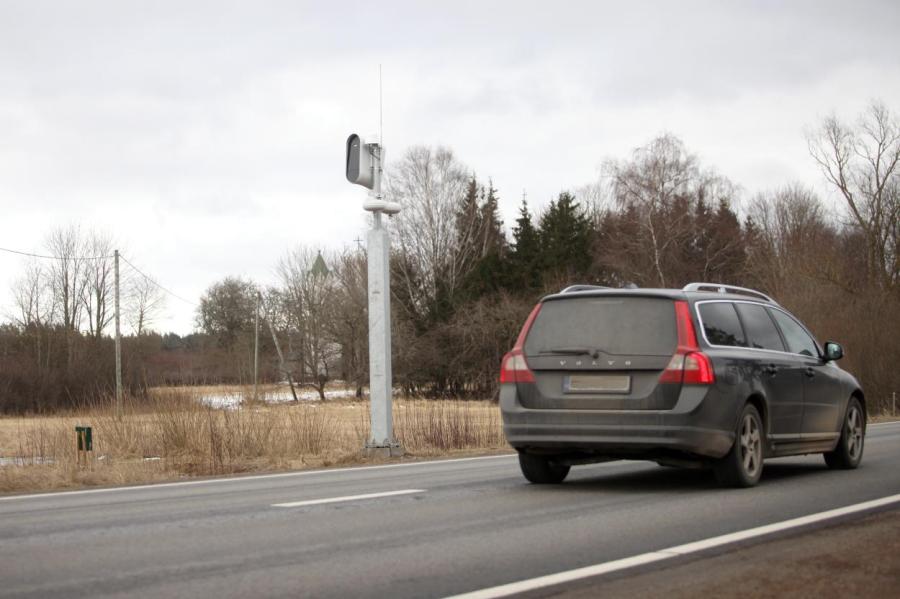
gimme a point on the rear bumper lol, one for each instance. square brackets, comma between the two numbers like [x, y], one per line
[701, 424]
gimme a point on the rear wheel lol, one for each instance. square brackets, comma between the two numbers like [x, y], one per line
[849, 451]
[743, 465]
[541, 471]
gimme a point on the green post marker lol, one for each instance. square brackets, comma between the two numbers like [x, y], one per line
[85, 438]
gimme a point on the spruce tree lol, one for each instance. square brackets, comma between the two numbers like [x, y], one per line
[525, 258]
[494, 240]
[489, 270]
[565, 237]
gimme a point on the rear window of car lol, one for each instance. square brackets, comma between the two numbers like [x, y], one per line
[721, 325]
[614, 325]
[760, 328]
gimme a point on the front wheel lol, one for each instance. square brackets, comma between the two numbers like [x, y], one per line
[743, 465]
[849, 451]
[541, 471]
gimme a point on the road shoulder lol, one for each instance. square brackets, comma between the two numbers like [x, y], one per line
[860, 558]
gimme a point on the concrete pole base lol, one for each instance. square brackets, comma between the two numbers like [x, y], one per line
[394, 450]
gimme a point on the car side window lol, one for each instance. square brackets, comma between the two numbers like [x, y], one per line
[721, 325]
[796, 337]
[761, 331]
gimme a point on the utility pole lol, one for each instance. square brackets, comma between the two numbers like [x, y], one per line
[118, 342]
[364, 167]
[256, 351]
[284, 368]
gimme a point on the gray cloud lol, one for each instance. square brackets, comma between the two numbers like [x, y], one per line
[209, 135]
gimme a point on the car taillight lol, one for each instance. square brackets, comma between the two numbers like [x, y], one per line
[688, 365]
[514, 368]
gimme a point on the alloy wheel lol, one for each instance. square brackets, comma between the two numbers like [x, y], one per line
[751, 445]
[853, 431]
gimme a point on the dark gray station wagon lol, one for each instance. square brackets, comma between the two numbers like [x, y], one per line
[709, 375]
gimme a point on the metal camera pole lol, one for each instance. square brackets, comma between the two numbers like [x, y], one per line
[364, 167]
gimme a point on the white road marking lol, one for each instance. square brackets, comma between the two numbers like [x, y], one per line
[348, 498]
[209, 481]
[540, 582]
[892, 422]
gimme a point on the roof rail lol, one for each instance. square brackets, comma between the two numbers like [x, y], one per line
[574, 288]
[720, 288]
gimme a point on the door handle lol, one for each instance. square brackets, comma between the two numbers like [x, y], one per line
[810, 372]
[771, 369]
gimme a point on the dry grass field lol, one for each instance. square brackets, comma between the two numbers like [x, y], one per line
[178, 433]
[202, 431]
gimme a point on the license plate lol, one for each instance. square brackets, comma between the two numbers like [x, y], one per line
[598, 383]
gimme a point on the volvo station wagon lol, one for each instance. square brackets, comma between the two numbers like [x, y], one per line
[709, 375]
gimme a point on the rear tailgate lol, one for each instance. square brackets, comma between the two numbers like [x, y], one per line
[601, 353]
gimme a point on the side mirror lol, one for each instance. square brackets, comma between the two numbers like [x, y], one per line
[833, 351]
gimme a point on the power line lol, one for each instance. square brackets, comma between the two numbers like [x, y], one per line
[172, 293]
[46, 257]
[136, 269]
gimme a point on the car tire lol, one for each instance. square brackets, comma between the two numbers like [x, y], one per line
[849, 451]
[743, 465]
[541, 471]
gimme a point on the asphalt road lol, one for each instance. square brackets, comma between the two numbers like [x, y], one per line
[449, 527]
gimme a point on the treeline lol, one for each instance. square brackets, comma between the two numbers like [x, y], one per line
[56, 350]
[48, 368]
[659, 218]
[463, 281]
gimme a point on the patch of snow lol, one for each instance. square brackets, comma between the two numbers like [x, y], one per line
[231, 401]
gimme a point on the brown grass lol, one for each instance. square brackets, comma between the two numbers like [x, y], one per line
[175, 436]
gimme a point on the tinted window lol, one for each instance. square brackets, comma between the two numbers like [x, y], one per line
[761, 331]
[721, 324]
[613, 325]
[797, 339]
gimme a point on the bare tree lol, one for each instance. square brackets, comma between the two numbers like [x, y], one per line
[98, 290]
[598, 198]
[862, 163]
[68, 281]
[144, 301]
[32, 296]
[350, 322]
[67, 274]
[227, 311]
[657, 192]
[430, 184]
[35, 310]
[308, 295]
[791, 231]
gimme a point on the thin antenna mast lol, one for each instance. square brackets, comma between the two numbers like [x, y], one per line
[380, 110]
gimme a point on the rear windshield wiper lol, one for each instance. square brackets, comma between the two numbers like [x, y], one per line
[573, 351]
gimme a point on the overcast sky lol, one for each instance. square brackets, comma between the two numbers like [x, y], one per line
[208, 137]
